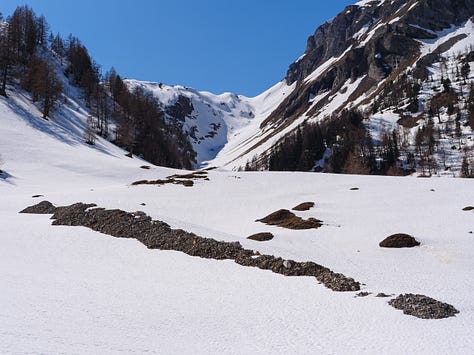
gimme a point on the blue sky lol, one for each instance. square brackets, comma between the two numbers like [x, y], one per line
[240, 46]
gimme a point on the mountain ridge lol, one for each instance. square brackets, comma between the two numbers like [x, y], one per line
[350, 61]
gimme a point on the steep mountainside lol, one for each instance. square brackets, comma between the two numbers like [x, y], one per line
[369, 58]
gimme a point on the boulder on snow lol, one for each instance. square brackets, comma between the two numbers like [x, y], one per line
[399, 240]
[468, 208]
[261, 237]
[44, 207]
[423, 307]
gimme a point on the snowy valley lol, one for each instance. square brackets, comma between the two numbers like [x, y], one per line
[329, 288]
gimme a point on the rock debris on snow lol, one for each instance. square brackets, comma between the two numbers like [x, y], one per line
[159, 235]
[423, 307]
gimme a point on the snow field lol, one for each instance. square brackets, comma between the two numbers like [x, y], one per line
[68, 289]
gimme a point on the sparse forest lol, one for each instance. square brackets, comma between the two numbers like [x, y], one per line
[36, 59]
[434, 129]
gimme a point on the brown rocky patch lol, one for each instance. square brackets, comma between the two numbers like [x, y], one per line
[399, 240]
[261, 237]
[305, 206]
[186, 180]
[186, 183]
[423, 307]
[159, 235]
[468, 208]
[44, 207]
[286, 219]
[194, 175]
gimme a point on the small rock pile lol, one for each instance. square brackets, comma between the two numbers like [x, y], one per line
[159, 235]
[286, 219]
[44, 207]
[423, 307]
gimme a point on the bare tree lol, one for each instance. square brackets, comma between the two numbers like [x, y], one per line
[6, 57]
[89, 133]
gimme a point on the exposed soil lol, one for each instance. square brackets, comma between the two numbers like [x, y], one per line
[423, 307]
[287, 219]
[305, 206]
[399, 241]
[159, 235]
[261, 237]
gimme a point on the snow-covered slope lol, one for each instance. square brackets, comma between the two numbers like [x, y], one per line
[214, 121]
[68, 289]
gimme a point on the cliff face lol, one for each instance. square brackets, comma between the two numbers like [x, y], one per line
[391, 17]
[374, 40]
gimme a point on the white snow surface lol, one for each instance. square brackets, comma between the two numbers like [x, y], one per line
[461, 46]
[72, 290]
[365, 3]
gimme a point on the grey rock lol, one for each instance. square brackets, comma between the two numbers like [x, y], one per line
[423, 307]
[44, 207]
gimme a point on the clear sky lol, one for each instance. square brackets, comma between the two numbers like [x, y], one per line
[240, 46]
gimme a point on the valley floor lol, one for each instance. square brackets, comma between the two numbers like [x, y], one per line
[72, 290]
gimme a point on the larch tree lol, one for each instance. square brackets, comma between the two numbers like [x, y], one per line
[45, 86]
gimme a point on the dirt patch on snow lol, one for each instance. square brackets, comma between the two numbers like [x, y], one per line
[305, 206]
[468, 208]
[287, 219]
[186, 180]
[186, 183]
[399, 241]
[261, 237]
[194, 175]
